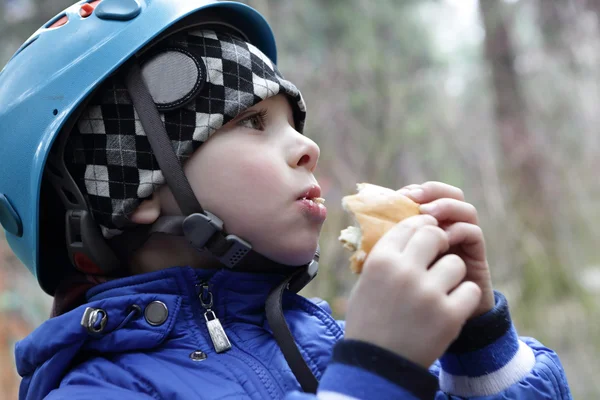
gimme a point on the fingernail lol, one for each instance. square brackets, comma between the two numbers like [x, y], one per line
[404, 192]
[428, 208]
[416, 194]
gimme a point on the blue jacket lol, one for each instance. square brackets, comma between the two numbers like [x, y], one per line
[174, 358]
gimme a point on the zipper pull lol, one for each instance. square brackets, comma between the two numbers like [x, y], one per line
[215, 329]
[217, 333]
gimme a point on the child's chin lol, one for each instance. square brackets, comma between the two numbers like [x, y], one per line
[295, 257]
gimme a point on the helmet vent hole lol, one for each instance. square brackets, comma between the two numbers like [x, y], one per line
[55, 112]
[57, 21]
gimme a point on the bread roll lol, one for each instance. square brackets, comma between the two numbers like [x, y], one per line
[376, 210]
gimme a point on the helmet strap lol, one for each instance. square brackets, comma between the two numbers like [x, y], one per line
[160, 142]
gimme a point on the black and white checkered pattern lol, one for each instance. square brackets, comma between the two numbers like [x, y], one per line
[108, 153]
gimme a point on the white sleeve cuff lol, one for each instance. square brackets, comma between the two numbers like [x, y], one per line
[495, 382]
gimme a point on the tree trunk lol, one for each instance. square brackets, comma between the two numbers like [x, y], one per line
[525, 164]
[593, 5]
[552, 22]
[556, 20]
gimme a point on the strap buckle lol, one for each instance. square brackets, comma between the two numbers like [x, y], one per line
[303, 279]
[86, 246]
[310, 272]
[206, 231]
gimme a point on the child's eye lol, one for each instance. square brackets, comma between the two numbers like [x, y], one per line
[254, 121]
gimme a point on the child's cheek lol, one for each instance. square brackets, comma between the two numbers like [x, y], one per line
[260, 172]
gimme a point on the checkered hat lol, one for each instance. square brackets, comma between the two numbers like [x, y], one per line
[199, 80]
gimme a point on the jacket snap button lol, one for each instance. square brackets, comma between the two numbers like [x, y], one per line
[198, 355]
[156, 313]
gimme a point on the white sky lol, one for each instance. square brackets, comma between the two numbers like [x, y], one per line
[464, 6]
[458, 26]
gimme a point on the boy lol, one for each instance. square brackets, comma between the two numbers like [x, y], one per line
[178, 215]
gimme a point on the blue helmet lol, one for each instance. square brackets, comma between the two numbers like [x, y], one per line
[49, 78]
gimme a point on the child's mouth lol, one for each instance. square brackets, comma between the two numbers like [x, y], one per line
[318, 200]
[314, 208]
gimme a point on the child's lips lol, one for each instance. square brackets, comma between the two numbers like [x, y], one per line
[314, 208]
[311, 192]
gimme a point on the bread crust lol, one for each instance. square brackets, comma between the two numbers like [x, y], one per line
[376, 210]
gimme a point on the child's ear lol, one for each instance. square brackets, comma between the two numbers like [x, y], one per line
[148, 212]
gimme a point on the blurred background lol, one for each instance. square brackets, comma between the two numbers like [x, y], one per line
[498, 97]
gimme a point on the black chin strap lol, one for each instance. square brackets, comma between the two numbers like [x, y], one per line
[205, 231]
[285, 340]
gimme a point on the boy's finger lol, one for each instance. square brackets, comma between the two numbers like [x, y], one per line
[408, 187]
[448, 272]
[469, 237]
[425, 246]
[432, 190]
[465, 299]
[397, 237]
[447, 209]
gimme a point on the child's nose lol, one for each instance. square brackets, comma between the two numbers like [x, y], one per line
[307, 154]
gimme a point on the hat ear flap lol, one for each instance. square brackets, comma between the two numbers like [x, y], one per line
[174, 76]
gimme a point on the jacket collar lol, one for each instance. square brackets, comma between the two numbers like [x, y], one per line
[238, 296]
[235, 294]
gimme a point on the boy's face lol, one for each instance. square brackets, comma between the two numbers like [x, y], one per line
[251, 173]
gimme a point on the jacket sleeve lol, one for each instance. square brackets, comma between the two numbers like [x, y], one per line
[490, 361]
[359, 370]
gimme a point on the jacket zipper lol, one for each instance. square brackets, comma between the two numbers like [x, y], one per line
[206, 300]
[217, 334]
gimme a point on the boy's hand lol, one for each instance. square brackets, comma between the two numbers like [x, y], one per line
[409, 300]
[459, 219]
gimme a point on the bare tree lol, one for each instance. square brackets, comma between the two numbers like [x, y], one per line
[527, 168]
